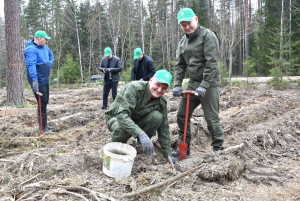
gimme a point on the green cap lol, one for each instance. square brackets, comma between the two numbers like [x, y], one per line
[41, 34]
[185, 14]
[137, 53]
[107, 51]
[163, 76]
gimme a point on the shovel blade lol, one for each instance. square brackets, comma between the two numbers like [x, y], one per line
[182, 150]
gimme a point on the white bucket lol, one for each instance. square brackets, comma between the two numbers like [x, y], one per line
[118, 159]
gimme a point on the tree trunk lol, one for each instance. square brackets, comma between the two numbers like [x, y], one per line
[213, 17]
[247, 29]
[142, 25]
[78, 41]
[99, 24]
[13, 37]
[281, 35]
[240, 37]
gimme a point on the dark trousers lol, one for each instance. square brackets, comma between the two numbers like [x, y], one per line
[44, 99]
[106, 88]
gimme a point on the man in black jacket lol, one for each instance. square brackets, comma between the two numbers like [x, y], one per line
[111, 67]
[143, 66]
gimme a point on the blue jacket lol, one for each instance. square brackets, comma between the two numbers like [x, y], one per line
[38, 62]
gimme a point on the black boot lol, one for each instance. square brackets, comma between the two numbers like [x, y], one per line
[176, 153]
[44, 121]
[50, 127]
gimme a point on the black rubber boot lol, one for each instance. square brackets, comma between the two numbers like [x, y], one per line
[176, 153]
[50, 127]
[218, 148]
[44, 121]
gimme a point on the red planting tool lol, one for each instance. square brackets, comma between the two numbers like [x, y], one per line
[40, 108]
[183, 145]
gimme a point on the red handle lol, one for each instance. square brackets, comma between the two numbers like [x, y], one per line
[186, 113]
[187, 92]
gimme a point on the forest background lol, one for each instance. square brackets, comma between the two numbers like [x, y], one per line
[256, 38]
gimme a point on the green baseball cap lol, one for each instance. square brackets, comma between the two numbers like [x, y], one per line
[41, 34]
[107, 51]
[163, 76]
[137, 53]
[185, 14]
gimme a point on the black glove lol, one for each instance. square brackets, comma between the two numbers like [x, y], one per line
[200, 92]
[177, 91]
[174, 160]
[35, 86]
[146, 143]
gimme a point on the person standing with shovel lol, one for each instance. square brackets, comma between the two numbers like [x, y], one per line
[198, 54]
[38, 60]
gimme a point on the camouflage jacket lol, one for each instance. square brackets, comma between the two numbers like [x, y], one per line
[199, 55]
[132, 104]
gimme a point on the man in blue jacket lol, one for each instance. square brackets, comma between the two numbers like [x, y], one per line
[111, 67]
[38, 60]
[143, 66]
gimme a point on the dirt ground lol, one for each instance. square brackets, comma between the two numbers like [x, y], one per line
[261, 160]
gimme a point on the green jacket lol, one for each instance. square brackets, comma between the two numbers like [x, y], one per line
[132, 104]
[199, 55]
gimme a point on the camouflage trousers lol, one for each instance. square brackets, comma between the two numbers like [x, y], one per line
[210, 106]
[149, 124]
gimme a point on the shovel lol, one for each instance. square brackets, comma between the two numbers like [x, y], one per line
[183, 145]
[40, 108]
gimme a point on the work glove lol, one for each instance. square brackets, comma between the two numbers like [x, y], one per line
[200, 92]
[141, 79]
[146, 143]
[35, 86]
[177, 91]
[174, 160]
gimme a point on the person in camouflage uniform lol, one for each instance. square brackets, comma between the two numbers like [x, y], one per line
[198, 54]
[140, 110]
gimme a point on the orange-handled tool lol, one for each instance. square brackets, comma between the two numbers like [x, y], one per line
[183, 145]
[40, 108]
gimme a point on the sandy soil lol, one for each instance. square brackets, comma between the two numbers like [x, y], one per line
[260, 160]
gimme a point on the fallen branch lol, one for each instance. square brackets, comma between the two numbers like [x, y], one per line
[161, 184]
[234, 147]
[43, 184]
[30, 179]
[64, 191]
[3, 160]
[67, 117]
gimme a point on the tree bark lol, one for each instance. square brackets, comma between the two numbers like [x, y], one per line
[13, 40]
[99, 24]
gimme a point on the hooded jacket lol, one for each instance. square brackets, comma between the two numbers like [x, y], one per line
[38, 62]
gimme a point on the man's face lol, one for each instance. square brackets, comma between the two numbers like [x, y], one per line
[189, 27]
[140, 58]
[42, 41]
[109, 56]
[157, 89]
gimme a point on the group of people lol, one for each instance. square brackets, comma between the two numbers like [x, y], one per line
[139, 110]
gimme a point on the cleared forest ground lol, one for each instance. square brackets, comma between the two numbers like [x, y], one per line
[261, 160]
